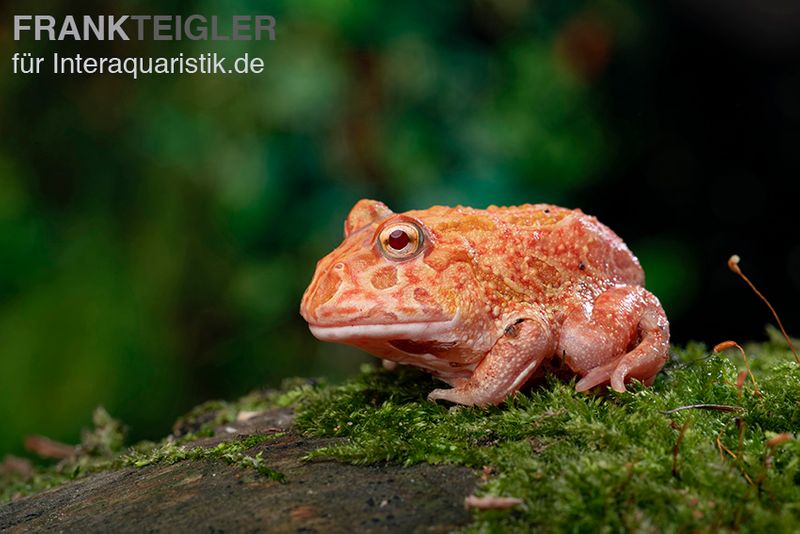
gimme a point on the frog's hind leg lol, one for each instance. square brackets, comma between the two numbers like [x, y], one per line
[596, 342]
[506, 367]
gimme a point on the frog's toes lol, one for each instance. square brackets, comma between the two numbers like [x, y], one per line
[464, 394]
[444, 394]
[598, 376]
[459, 395]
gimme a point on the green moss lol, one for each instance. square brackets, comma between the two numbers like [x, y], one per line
[232, 452]
[579, 462]
[588, 463]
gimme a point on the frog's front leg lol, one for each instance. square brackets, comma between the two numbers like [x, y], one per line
[510, 362]
[624, 335]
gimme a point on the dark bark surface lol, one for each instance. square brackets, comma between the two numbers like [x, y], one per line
[211, 496]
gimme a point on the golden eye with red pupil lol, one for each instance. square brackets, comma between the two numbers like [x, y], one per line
[400, 241]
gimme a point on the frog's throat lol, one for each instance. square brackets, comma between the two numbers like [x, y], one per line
[417, 330]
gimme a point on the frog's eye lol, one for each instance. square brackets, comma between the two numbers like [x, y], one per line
[400, 241]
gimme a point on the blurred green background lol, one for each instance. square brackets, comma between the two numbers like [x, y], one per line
[156, 234]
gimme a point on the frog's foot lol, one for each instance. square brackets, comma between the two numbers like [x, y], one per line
[505, 368]
[597, 343]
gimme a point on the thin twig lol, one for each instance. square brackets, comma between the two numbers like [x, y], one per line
[714, 407]
[48, 448]
[780, 439]
[722, 447]
[740, 378]
[733, 265]
[719, 347]
[677, 447]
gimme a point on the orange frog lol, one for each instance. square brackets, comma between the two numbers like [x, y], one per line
[481, 298]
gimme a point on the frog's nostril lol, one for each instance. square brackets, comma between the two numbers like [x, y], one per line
[339, 266]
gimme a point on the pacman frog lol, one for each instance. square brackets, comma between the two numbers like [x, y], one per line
[482, 298]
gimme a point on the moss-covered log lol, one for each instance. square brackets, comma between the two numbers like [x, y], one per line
[700, 450]
[263, 485]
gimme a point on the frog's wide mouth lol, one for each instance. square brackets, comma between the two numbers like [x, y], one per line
[415, 330]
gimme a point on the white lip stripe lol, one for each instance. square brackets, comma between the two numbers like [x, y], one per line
[419, 331]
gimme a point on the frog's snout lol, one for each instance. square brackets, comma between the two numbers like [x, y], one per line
[321, 291]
